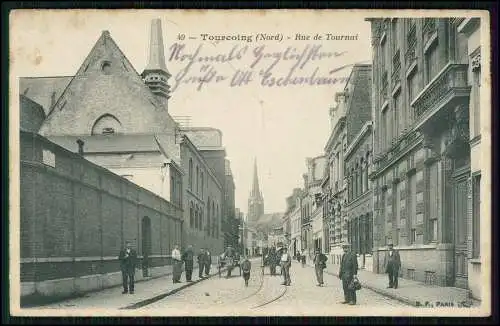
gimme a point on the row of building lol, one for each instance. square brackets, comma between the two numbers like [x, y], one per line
[104, 162]
[397, 164]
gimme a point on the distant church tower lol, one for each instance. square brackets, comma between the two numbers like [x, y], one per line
[255, 201]
[156, 74]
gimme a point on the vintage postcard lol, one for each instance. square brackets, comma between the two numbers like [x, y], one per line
[250, 163]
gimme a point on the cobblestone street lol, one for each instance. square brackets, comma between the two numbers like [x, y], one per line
[229, 296]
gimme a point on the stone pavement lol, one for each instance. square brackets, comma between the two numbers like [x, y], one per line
[145, 290]
[410, 292]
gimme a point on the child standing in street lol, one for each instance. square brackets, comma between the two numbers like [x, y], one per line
[246, 266]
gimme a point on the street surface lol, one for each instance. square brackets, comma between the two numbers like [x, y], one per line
[266, 296]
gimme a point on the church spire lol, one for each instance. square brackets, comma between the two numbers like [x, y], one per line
[255, 188]
[156, 74]
[255, 200]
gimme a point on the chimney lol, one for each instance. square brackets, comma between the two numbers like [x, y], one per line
[80, 146]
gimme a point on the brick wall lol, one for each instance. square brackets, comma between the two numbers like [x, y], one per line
[32, 114]
[75, 215]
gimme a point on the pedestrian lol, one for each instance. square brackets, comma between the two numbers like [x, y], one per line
[128, 261]
[348, 271]
[208, 262]
[272, 261]
[246, 267]
[229, 258]
[319, 265]
[286, 262]
[392, 263]
[303, 258]
[188, 259]
[201, 263]
[177, 264]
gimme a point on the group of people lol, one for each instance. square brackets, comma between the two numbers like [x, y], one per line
[347, 273]
[204, 259]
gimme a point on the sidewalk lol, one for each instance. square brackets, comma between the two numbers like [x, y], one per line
[146, 291]
[409, 292]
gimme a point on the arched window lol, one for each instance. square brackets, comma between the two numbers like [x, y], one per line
[190, 174]
[201, 218]
[208, 217]
[367, 164]
[361, 176]
[191, 215]
[217, 221]
[197, 180]
[106, 124]
[202, 183]
[197, 216]
[214, 217]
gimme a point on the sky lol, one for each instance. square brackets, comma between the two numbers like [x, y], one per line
[260, 117]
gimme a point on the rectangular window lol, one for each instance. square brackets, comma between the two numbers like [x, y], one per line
[476, 90]
[412, 93]
[397, 113]
[476, 225]
[383, 131]
[412, 216]
[433, 201]
[395, 35]
[432, 64]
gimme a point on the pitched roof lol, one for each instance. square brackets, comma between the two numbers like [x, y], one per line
[43, 90]
[204, 137]
[109, 143]
[94, 92]
[267, 222]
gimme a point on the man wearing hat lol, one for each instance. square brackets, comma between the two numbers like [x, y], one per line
[392, 263]
[128, 261]
[348, 270]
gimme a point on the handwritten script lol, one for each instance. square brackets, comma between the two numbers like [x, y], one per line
[257, 64]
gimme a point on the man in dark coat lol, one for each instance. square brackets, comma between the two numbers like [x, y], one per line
[208, 262]
[273, 261]
[246, 267]
[348, 270]
[188, 257]
[392, 263]
[202, 257]
[128, 261]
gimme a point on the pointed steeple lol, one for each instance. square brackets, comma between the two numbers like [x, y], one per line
[255, 188]
[255, 200]
[156, 74]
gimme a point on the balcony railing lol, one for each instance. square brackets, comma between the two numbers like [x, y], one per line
[443, 91]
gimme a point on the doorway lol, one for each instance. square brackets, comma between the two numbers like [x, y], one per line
[460, 202]
[146, 245]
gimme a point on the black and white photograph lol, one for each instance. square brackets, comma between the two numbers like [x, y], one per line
[250, 163]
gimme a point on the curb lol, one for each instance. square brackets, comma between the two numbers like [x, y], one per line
[382, 292]
[405, 300]
[168, 293]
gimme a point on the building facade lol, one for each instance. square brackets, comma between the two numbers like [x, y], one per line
[311, 205]
[333, 191]
[202, 201]
[359, 196]
[422, 164]
[470, 27]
